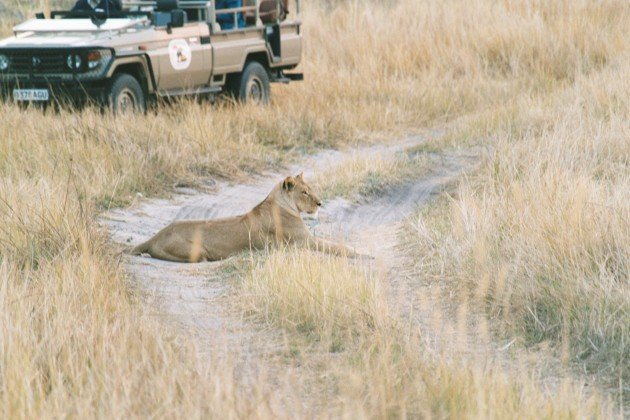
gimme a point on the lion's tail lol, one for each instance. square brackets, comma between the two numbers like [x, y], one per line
[143, 248]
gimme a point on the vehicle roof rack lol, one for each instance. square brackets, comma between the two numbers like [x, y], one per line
[85, 14]
[183, 4]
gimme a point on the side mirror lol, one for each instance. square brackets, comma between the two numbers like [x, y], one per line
[178, 18]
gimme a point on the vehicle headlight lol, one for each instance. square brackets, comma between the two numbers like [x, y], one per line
[4, 62]
[74, 61]
[94, 59]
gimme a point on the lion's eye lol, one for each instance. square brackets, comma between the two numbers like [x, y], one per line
[304, 192]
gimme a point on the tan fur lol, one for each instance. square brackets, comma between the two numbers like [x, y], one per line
[275, 220]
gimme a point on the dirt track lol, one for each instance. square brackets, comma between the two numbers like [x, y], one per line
[192, 297]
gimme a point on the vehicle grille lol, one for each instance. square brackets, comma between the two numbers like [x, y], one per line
[38, 63]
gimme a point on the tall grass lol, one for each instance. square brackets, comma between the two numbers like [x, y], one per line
[375, 364]
[75, 342]
[540, 235]
[303, 293]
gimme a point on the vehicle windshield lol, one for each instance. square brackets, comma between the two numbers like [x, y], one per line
[99, 9]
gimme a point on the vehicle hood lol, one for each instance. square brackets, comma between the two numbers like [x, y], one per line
[50, 40]
[69, 32]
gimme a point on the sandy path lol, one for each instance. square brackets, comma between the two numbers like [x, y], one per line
[191, 295]
[193, 298]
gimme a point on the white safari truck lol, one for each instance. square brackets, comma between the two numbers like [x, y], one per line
[125, 59]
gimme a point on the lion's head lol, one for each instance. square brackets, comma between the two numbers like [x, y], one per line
[301, 194]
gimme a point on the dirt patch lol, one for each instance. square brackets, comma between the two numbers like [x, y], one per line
[190, 294]
[194, 298]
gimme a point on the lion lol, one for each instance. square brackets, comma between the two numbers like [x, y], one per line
[276, 220]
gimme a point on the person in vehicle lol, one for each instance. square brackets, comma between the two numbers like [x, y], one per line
[226, 20]
[97, 5]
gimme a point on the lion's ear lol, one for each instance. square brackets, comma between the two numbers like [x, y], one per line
[300, 177]
[288, 184]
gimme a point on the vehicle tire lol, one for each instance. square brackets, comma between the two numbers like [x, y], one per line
[125, 95]
[252, 85]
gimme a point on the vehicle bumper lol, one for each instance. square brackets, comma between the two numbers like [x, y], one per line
[60, 92]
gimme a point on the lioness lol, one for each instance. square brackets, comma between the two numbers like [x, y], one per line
[275, 220]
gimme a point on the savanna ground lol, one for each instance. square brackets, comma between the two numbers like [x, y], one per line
[536, 240]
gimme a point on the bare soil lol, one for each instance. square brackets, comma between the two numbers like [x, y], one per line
[194, 298]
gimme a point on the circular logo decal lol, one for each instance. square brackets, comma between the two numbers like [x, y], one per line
[180, 54]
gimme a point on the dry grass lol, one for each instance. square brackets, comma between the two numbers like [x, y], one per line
[74, 342]
[302, 292]
[540, 235]
[373, 364]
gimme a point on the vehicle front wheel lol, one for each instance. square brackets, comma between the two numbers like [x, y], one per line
[252, 85]
[125, 95]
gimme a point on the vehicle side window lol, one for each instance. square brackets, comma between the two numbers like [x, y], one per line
[194, 15]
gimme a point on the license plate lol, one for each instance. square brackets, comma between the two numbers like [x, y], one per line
[31, 95]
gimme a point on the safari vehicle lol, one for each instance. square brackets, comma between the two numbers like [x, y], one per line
[124, 60]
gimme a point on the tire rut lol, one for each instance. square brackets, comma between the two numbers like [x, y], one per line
[193, 299]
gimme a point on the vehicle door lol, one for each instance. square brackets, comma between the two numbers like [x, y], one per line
[181, 61]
